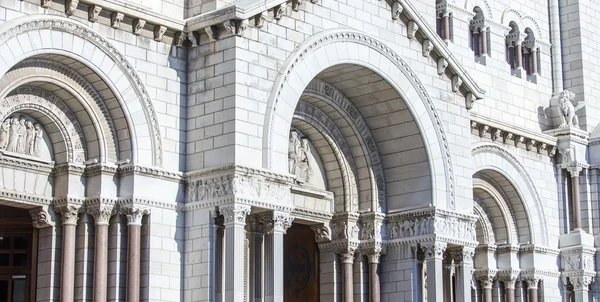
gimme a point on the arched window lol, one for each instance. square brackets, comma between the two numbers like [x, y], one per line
[479, 36]
[531, 58]
[443, 21]
[514, 54]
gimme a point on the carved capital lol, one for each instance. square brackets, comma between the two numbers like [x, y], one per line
[101, 211]
[235, 214]
[282, 221]
[40, 218]
[322, 233]
[346, 254]
[68, 213]
[532, 281]
[434, 249]
[486, 277]
[580, 283]
[134, 214]
[464, 255]
[374, 253]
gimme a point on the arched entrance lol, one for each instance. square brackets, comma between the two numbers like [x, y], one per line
[301, 264]
[17, 272]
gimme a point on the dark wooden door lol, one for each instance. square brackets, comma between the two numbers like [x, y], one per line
[301, 265]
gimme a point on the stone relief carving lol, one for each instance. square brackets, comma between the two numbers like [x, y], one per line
[322, 233]
[441, 226]
[299, 157]
[235, 213]
[19, 135]
[573, 262]
[566, 103]
[247, 187]
[40, 218]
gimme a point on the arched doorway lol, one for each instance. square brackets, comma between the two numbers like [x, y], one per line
[16, 257]
[301, 264]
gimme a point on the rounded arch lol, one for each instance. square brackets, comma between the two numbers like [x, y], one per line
[345, 46]
[530, 22]
[501, 205]
[487, 228]
[107, 63]
[492, 157]
[485, 7]
[512, 15]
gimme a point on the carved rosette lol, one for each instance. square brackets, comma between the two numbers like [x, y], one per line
[68, 213]
[101, 211]
[235, 214]
[434, 249]
[134, 214]
[40, 218]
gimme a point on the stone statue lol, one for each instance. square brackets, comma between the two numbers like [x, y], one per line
[13, 135]
[37, 139]
[293, 151]
[29, 138]
[4, 133]
[566, 102]
[299, 158]
[21, 132]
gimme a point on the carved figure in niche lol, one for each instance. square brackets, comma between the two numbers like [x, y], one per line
[13, 135]
[566, 102]
[293, 151]
[298, 158]
[29, 138]
[22, 133]
[37, 139]
[4, 133]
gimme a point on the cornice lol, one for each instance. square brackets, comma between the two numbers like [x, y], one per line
[531, 248]
[69, 168]
[26, 165]
[311, 214]
[239, 170]
[100, 168]
[131, 169]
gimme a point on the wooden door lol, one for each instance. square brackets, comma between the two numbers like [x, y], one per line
[301, 265]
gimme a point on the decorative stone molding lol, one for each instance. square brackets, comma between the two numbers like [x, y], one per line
[134, 213]
[236, 27]
[278, 11]
[235, 214]
[138, 25]
[33, 23]
[259, 20]
[427, 47]
[396, 10]
[101, 209]
[411, 29]
[93, 12]
[434, 249]
[41, 218]
[322, 233]
[115, 19]
[159, 32]
[441, 66]
[296, 5]
[71, 7]
[450, 227]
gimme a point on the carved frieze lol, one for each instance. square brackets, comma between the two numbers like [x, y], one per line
[20, 135]
[440, 226]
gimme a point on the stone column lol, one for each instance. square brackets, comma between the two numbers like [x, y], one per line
[235, 237]
[509, 289]
[484, 43]
[219, 249]
[134, 216]
[101, 213]
[449, 271]
[581, 288]
[511, 56]
[509, 278]
[534, 61]
[487, 282]
[274, 255]
[476, 41]
[69, 214]
[446, 24]
[464, 259]
[347, 258]
[40, 219]
[574, 171]
[532, 288]
[519, 55]
[434, 256]
[255, 240]
[374, 289]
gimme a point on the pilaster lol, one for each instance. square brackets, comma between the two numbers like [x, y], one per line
[279, 222]
[434, 256]
[234, 221]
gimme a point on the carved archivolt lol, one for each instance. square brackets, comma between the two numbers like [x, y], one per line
[336, 98]
[318, 119]
[33, 98]
[491, 187]
[354, 37]
[486, 225]
[36, 23]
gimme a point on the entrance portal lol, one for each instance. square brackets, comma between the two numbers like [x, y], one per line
[301, 265]
[15, 254]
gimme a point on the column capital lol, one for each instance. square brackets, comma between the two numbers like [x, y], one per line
[346, 254]
[235, 214]
[581, 283]
[68, 212]
[101, 210]
[509, 277]
[574, 170]
[434, 249]
[275, 222]
[532, 281]
[40, 218]
[373, 253]
[134, 214]
[486, 277]
[463, 255]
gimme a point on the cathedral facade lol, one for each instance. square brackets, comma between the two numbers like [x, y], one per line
[290, 150]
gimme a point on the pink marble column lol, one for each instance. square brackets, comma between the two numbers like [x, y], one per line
[134, 229]
[446, 24]
[484, 43]
[574, 171]
[519, 55]
[509, 289]
[347, 258]
[69, 214]
[101, 213]
[534, 61]
[532, 288]
[375, 292]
